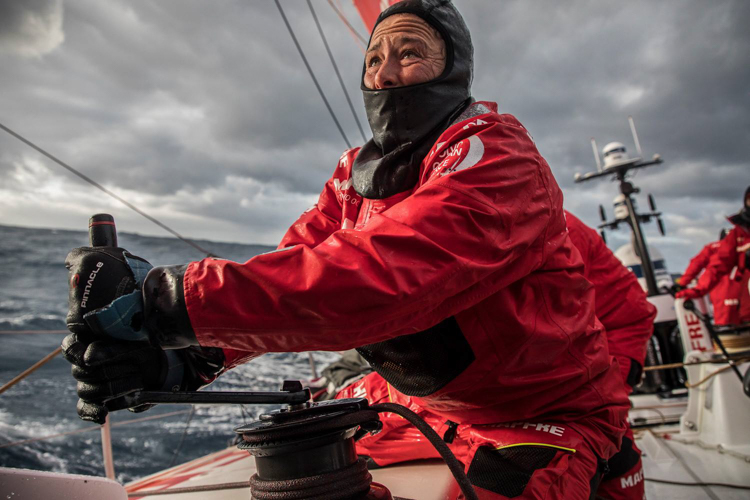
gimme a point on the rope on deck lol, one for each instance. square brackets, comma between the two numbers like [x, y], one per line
[190, 489]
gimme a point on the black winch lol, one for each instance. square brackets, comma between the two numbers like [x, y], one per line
[307, 450]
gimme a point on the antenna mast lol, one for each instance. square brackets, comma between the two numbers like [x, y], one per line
[635, 136]
[596, 155]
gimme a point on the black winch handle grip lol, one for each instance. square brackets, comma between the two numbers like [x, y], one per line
[102, 231]
[218, 397]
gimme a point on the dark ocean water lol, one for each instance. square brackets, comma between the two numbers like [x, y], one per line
[33, 296]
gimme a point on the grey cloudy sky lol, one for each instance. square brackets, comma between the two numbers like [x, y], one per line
[202, 113]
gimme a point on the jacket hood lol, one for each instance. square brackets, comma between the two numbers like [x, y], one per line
[742, 218]
[405, 121]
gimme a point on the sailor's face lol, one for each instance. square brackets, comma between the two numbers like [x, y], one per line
[404, 50]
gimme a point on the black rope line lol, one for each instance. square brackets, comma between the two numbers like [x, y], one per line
[312, 75]
[182, 438]
[105, 190]
[715, 485]
[343, 18]
[456, 467]
[336, 69]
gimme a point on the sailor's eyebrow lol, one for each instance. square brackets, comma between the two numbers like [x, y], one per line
[375, 47]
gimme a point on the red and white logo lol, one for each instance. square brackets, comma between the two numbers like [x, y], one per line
[342, 186]
[460, 156]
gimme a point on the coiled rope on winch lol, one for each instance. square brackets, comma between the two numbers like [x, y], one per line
[351, 480]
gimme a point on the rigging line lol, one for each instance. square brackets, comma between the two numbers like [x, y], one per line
[681, 483]
[105, 190]
[190, 489]
[31, 369]
[358, 38]
[93, 428]
[32, 332]
[336, 69]
[182, 438]
[312, 75]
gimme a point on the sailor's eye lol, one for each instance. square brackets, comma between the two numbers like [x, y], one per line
[409, 54]
[373, 61]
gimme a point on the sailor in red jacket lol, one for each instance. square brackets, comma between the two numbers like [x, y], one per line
[628, 317]
[439, 249]
[732, 259]
[725, 296]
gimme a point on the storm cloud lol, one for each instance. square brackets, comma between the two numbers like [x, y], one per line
[203, 114]
[30, 28]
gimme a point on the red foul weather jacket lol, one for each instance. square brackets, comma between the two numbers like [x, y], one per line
[469, 281]
[730, 259]
[725, 296]
[621, 303]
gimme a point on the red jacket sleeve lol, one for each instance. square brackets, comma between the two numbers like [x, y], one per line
[312, 227]
[323, 218]
[720, 264]
[697, 264]
[621, 304]
[409, 267]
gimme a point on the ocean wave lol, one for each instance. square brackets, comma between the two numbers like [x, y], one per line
[31, 321]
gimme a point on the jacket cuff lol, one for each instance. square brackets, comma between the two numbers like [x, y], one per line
[165, 312]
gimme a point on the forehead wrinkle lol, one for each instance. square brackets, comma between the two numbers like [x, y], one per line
[407, 22]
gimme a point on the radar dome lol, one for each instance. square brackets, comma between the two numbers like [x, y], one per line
[614, 153]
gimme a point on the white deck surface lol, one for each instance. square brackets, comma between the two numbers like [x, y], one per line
[664, 457]
[418, 480]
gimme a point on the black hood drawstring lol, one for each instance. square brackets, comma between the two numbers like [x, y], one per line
[406, 121]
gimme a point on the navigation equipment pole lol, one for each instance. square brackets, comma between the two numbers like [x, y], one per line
[626, 188]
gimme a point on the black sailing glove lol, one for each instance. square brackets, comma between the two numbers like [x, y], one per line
[105, 297]
[120, 316]
[109, 370]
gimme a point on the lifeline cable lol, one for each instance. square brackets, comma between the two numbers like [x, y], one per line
[312, 75]
[336, 69]
[107, 191]
[182, 438]
[93, 428]
[30, 370]
[701, 484]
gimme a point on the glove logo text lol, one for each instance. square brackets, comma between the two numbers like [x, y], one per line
[90, 283]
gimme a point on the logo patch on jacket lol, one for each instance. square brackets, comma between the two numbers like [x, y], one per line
[459, 156]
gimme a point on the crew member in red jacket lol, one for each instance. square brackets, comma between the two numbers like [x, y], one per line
[627, 316]
[732, 259]
[439, 249]
[725, 296]
[628, 319]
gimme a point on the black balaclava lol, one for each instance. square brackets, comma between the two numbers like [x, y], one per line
[742, 217]
[406, 121]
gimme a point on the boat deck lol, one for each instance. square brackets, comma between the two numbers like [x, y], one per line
[665, 457]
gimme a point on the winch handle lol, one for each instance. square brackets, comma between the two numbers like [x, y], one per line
[102, 231]
[298, 398]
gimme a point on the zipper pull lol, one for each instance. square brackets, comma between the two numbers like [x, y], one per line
[450, 433]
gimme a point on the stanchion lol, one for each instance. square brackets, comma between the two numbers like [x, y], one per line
[109, 464]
